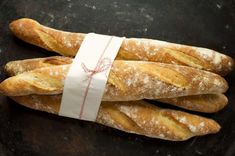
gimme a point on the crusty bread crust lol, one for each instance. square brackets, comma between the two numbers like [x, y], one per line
[207, 103]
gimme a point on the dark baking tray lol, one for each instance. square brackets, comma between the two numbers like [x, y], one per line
[206, 23]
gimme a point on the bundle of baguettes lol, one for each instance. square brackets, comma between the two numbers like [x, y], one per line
[38, 83]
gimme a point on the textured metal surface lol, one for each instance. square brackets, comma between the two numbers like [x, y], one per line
[208, 23]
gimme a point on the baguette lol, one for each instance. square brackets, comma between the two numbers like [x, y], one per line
[127, 81]
[135, 117]
[66, 43]
[208, 103]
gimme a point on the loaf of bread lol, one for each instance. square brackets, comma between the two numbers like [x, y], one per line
[208, 103]
[135, 117]
[127, 81]
[67, 44]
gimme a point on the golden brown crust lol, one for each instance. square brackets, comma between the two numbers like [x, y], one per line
[128, 80]
[32, 32]
[208, 103]
[135, 117]
[17, 67]
[67, 44]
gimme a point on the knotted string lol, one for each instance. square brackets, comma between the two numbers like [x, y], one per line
[101, 66]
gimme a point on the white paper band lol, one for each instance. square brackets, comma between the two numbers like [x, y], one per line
[87, 76]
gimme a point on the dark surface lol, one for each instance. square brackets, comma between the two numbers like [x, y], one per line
[206, 23]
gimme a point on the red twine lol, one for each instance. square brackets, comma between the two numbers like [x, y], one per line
[101, 66]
